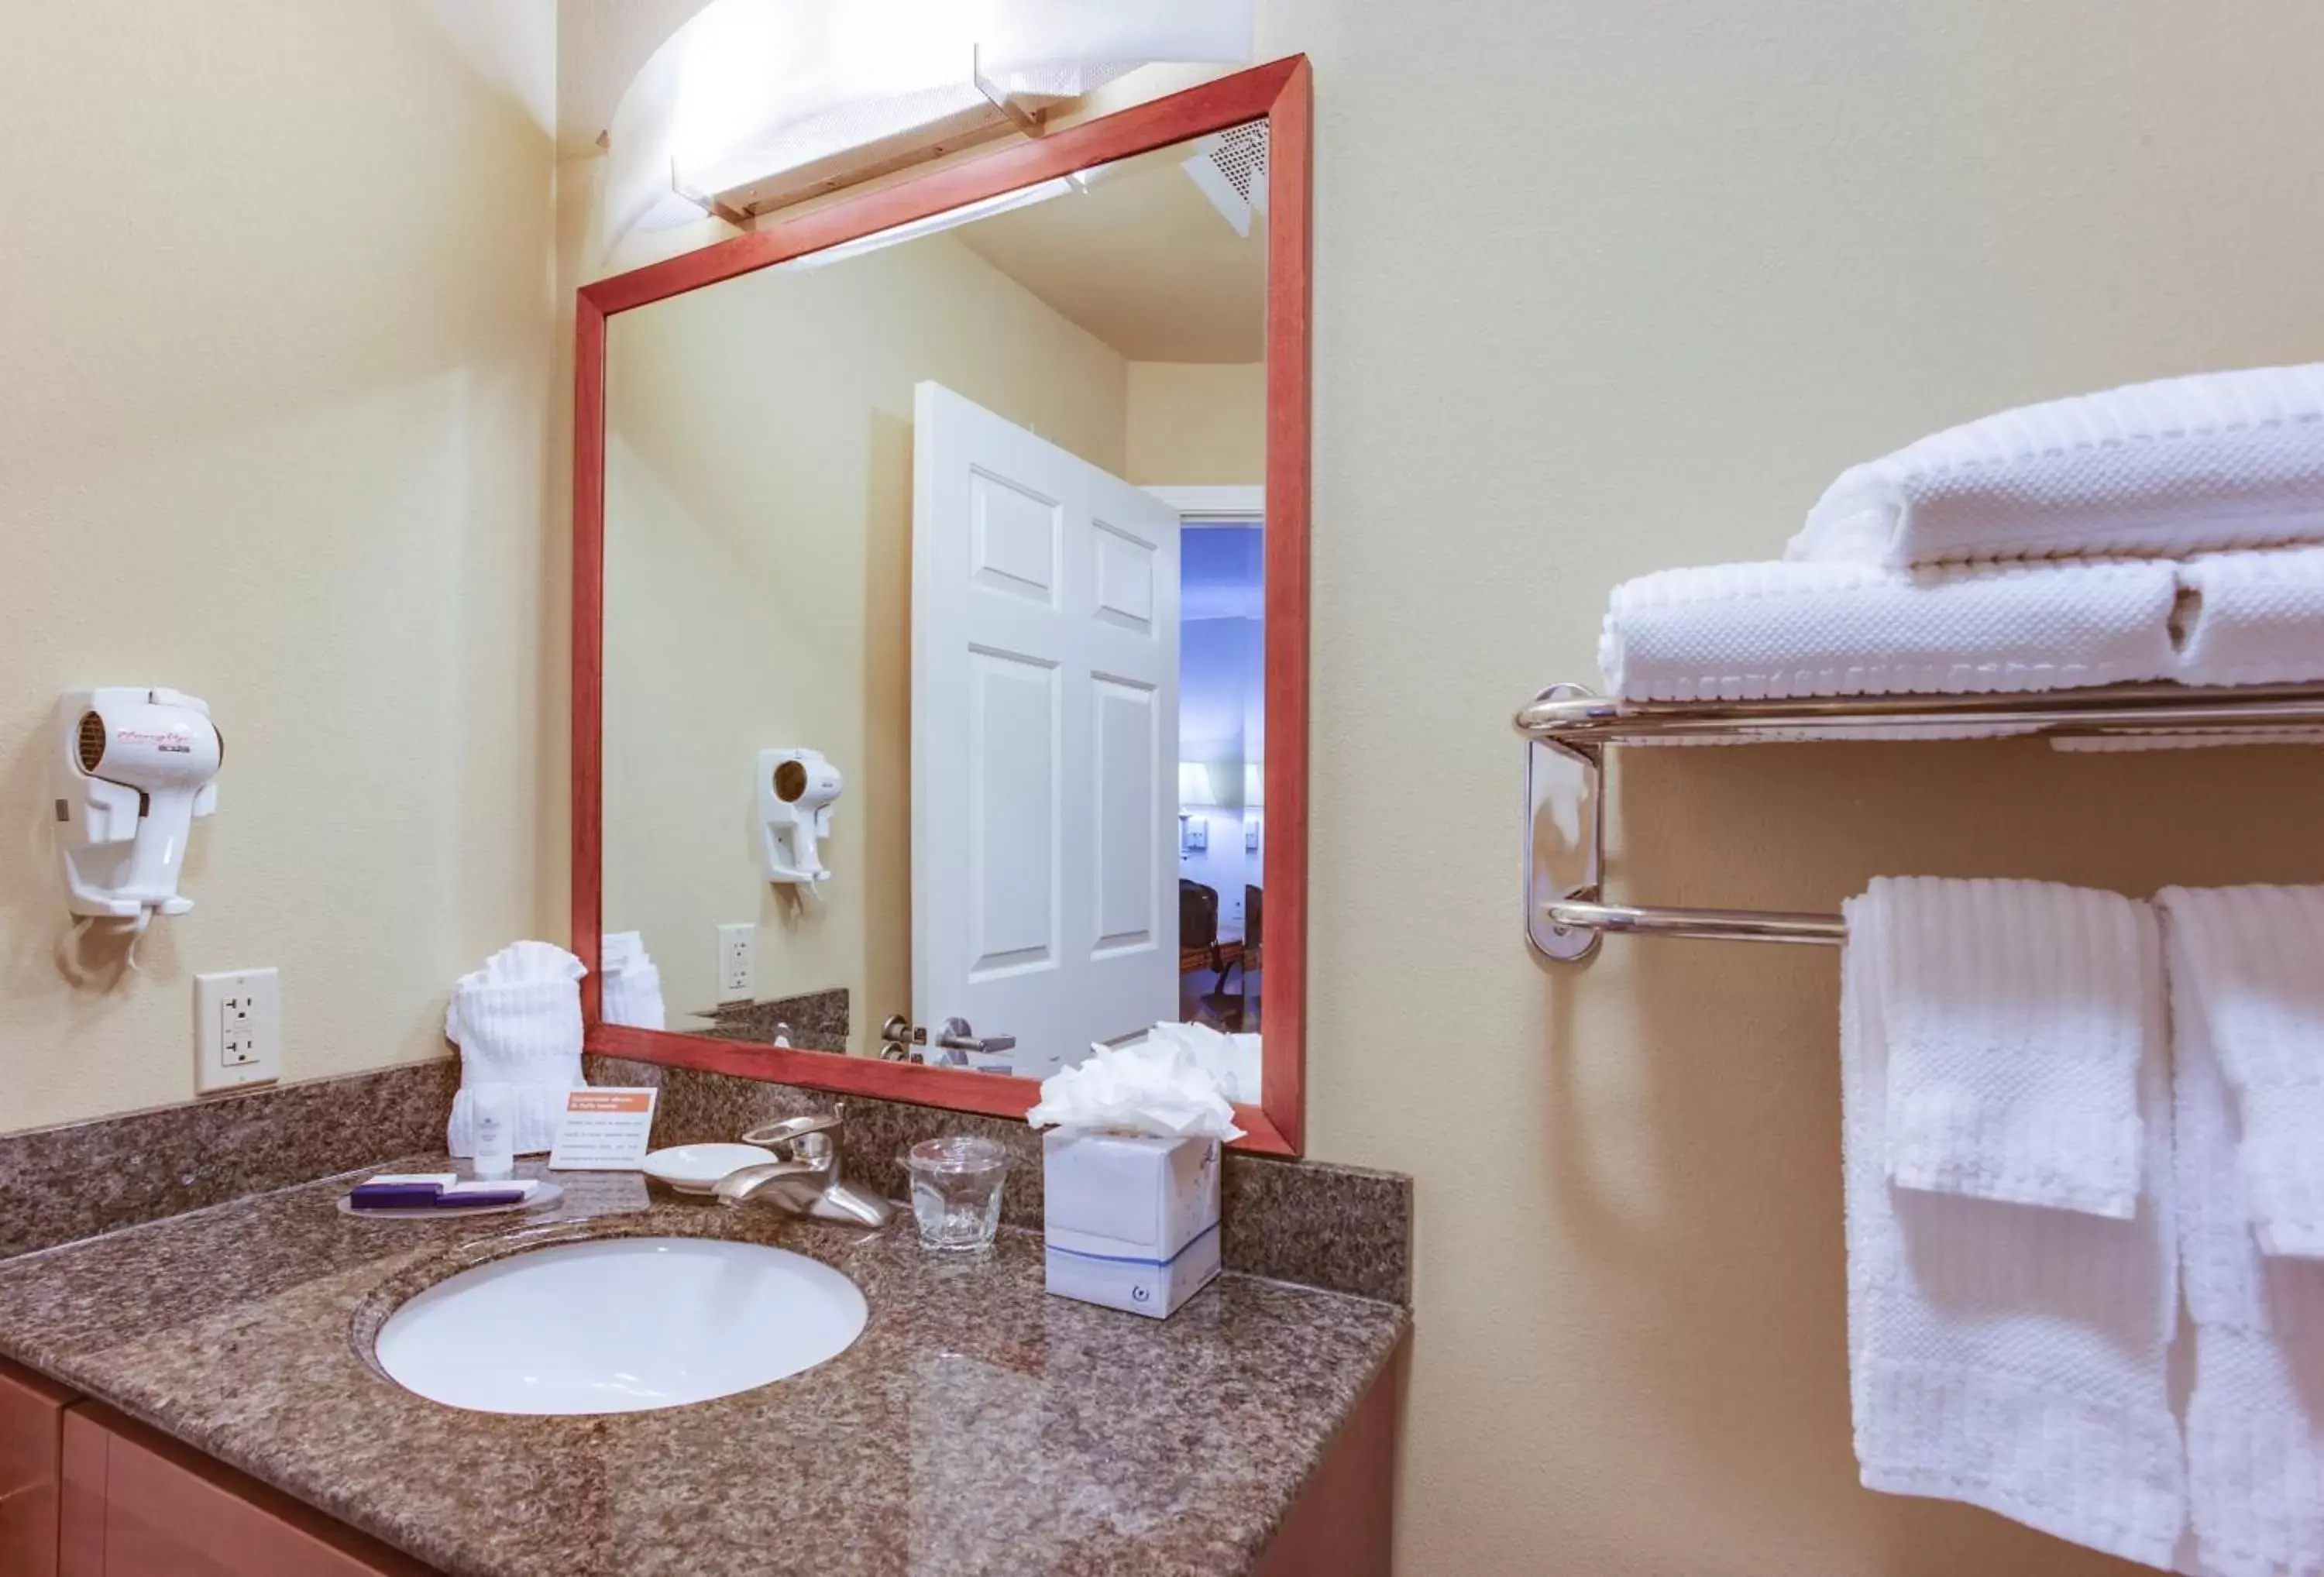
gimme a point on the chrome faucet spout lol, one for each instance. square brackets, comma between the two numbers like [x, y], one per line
[804, 1176]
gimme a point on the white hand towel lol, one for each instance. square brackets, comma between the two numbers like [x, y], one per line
[517, 1021]
[1734, 632]
[2004, 1355]
[2253, 957]
[632, 982]
[2176, 466]
[2255, 1415]
[2017, 1015]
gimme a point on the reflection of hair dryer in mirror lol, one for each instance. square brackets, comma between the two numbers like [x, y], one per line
[796, 788]
[134, 766]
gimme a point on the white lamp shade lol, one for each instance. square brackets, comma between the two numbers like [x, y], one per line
[1254, 785]
[1194, 784]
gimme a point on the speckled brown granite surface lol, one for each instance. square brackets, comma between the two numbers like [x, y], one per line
[977, 1424]
[60, 1184]
[816, 1021]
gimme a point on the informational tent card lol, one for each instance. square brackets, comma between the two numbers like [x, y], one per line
[605, 1130]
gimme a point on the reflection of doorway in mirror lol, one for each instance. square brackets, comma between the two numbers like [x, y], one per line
[1221, 712]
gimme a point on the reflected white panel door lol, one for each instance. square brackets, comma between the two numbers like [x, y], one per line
[1045, 739]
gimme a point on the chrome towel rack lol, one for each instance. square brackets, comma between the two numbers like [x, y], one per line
[1567, 729]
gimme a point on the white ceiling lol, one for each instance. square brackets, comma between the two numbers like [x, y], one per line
[1143, 261]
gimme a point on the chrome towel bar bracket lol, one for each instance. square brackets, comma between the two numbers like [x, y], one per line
[1567, 728]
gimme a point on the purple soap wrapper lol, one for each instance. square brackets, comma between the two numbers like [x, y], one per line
[394, 1196]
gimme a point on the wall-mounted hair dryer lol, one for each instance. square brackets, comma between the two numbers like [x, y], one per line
[796, 788]
[133, 767]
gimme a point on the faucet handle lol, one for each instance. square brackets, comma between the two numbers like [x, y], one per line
[791, 1129]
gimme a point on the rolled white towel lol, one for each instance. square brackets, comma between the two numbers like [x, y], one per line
[517, 1021]
[2167, 469]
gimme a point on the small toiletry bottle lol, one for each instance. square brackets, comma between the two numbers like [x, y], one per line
[493, 1109]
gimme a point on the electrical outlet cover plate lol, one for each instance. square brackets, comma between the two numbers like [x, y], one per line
[736, 945]
[237, 1030]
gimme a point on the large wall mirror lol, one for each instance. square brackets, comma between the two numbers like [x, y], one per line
[941, 622]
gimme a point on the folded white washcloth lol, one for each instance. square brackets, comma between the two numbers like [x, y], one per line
[2017, 1014]
[517, 1021]
[2253, 959]
[2004, 1355]
[2255, 1415]
[2253, 618]
[2168, 468]
[1736, 632]
[632, 982]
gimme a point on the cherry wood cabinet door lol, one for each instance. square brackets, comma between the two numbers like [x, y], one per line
[1344, 1524]
[32, 1456]
[138, 1505]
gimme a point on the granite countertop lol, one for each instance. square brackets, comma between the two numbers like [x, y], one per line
[977, 1424]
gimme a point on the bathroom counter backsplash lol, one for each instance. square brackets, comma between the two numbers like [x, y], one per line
[1343, 1229]
[977, 1423]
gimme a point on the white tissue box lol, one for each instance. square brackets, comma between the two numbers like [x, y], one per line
[1130, 1223]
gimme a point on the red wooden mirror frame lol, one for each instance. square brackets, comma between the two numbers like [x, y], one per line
[1280, 91]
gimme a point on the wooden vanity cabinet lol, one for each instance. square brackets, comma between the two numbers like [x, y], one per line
[31, 1456]
[137, 1504]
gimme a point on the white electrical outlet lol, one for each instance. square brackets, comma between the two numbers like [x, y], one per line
[237, 1030]
[734, 947]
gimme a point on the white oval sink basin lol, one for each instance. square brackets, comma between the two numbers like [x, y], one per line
[620, 1325]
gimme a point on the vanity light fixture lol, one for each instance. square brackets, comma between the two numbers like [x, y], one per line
[935, 222]
[766, 103]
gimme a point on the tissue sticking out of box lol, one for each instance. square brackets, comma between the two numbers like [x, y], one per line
[1151, 1087]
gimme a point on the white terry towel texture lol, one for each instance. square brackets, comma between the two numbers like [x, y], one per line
[2173, 467]
[517, 1021]
[2255, 1415]
[2252, 958]
[2017, 1015]
[2257, 618]
[2006, 1355]
[631, 981]
[1748, 632]
[1753, 631]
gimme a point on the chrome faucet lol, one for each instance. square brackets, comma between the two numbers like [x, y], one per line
[804, 1176]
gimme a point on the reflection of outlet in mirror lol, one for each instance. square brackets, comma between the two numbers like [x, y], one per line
[734, 944]
[237, 1030]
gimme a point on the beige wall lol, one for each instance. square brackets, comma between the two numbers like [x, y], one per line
[1670, 269]
[1197, 424]
[276, 352]
[1600, 289]
[759, 589]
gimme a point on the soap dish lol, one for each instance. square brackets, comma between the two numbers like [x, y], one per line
[544, 1192]
[699, 1168]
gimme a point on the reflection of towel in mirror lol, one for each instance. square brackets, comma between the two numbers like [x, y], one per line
[631, 981]
[517, 1021]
